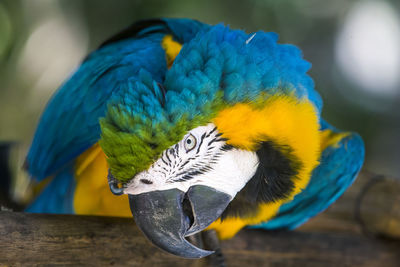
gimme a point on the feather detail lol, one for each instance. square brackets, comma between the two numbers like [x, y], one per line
[341, 161]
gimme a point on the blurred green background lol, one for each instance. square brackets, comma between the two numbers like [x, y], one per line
[354, 47]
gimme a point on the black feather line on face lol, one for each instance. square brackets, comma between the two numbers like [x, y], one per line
[274, 180]
[226, 147]
[201, 142]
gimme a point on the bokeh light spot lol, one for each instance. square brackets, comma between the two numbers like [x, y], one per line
[368, 48]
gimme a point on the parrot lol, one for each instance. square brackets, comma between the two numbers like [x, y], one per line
[188, 127]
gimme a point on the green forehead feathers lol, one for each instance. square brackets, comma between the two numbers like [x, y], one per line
[133, 149]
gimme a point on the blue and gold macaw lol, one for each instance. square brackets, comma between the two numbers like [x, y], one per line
[198, 127]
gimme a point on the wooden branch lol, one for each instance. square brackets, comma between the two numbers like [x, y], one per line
[331, 239]
[76, 240]
[375, 199]
[260, 248]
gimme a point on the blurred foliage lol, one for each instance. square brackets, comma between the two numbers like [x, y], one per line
[5, 31]
[42, 41]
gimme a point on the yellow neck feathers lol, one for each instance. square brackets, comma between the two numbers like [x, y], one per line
[284, 120]
[171, 48]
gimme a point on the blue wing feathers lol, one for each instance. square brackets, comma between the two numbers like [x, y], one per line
[69, 125]
[58, 195]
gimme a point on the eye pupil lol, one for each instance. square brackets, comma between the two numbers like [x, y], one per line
[190, 143]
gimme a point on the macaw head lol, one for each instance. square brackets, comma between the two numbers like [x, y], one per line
[188, 187]
[232, 117]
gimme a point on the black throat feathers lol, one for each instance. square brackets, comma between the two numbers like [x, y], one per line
[273, 180]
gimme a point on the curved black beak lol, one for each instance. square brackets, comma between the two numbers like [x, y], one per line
[167, 217]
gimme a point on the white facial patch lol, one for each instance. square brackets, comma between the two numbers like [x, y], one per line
[202, 157]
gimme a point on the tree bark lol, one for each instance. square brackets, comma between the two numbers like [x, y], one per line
[333, 238]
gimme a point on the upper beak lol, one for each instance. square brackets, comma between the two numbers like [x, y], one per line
[167, 217]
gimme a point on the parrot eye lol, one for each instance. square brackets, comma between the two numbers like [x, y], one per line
[190, 143]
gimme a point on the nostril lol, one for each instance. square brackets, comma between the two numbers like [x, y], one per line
[145, 181]
[187, 210]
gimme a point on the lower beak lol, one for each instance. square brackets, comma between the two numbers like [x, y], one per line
[167, 217]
